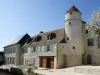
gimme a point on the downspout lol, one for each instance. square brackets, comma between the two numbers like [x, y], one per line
[57, 56]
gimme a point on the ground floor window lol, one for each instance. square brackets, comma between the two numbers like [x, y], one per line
[33, 60]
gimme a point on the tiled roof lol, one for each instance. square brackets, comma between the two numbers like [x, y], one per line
[73, 8]
[17, 39]
[59, 37]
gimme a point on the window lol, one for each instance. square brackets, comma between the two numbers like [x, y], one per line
[25, 50]
[51, 36]
[43, 48]
[73, 47]
[90, 42]
[13, 60]
[33, 60]
[48, 37]
[48, 48]
[11, 50]
[86, 31]
[14, 50]
[34, 49]
[39, 48]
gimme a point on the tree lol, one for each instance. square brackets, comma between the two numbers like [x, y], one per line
[94, 20]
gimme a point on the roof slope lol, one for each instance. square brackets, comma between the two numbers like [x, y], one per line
[73, 8]
[19, 39]
[59, 36]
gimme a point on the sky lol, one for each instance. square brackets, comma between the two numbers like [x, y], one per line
[19, 17]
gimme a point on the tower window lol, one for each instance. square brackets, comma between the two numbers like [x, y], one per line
[86, 31]
[69, 22]
[73, 47]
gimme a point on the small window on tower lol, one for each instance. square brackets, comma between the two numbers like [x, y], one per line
[73, 47]
[69, 22]
[86, 32]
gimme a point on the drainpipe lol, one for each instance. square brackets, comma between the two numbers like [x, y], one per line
[57, 54]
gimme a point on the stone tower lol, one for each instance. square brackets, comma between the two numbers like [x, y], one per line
[74, 30]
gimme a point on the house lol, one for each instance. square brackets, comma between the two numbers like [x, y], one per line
[2, 58]
[69, 46]
[12, 51]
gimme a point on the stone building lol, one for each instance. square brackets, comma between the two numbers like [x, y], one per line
[69, 46]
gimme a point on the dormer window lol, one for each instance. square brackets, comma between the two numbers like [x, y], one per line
[48, 37]
[37, 38]
[70, 13]
[51, 36]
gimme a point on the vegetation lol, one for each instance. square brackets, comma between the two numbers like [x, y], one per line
[31, 72]
[95, 22]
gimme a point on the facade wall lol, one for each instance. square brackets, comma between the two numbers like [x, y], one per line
[16, 55]
[94, 50]
[68, 57]
[30, 55]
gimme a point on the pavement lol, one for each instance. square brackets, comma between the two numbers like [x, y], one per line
[78, 70]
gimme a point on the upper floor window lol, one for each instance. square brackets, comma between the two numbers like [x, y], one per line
[48, 47]
[11, 50]
[34, 48]
[40, 48]
[14, 50]
[90, 42]
[25, 50]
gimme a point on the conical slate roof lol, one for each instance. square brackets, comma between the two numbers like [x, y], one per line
[73, 8]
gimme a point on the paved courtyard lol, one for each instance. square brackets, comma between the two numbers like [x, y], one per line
[78, 70]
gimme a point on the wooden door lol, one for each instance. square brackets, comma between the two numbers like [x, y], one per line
[51, 63]
[44, 62]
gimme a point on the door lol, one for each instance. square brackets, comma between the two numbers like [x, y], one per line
[89, 59]
[83, 59]
[52, 63]
[44, 62]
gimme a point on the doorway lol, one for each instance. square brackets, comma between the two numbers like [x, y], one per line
[89, 59]
[47, 62]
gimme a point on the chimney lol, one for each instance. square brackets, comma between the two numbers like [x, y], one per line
[41, 31]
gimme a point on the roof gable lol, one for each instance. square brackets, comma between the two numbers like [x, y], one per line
[19, 39]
